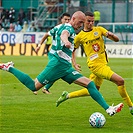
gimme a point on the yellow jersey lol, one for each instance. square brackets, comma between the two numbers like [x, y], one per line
[49, 40]
[93, 44]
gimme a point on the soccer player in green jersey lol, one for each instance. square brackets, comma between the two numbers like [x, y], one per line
[60, 66]
[65, 18]
[91, 38]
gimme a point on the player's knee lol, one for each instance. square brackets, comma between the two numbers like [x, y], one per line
[120, 82]
[98, 87]
[38, 85]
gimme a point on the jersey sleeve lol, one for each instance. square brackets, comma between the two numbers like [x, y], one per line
[53, 31]
[103, 30]
[69, 29]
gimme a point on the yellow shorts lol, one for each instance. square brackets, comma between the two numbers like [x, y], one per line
[100, 72]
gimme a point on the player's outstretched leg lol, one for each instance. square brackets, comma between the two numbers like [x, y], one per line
[112, 110]
[21, 76]
[6, 66]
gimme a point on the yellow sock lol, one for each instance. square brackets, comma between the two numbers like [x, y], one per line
[124, 95]
[79, 93]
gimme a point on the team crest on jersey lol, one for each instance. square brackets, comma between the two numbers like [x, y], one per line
[95, 33]
[96, 47]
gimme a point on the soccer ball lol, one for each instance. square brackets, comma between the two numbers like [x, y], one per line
[97, 120]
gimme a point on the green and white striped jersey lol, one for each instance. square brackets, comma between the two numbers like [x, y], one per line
[58, 45]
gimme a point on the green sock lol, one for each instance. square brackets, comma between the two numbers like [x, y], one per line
[96, 95]
[47, 86]
[23, 78]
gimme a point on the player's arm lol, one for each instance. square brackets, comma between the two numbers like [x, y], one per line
[76, 45]
[64, 37]
[41, 42]
[76, 66]
[112, 36]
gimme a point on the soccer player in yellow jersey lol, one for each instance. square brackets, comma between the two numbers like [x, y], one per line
[92, 40]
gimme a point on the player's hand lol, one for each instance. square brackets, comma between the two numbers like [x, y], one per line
[37, 48]
[68, 44]
[77, 67]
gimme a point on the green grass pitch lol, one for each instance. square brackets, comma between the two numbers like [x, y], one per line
[23, 112]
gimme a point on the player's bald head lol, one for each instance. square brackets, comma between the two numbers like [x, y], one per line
[78, 14]
[77, 20]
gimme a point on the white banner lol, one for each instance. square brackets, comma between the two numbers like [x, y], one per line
[16, 40]
[115, 51]
[119, 51]
[20, 37]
